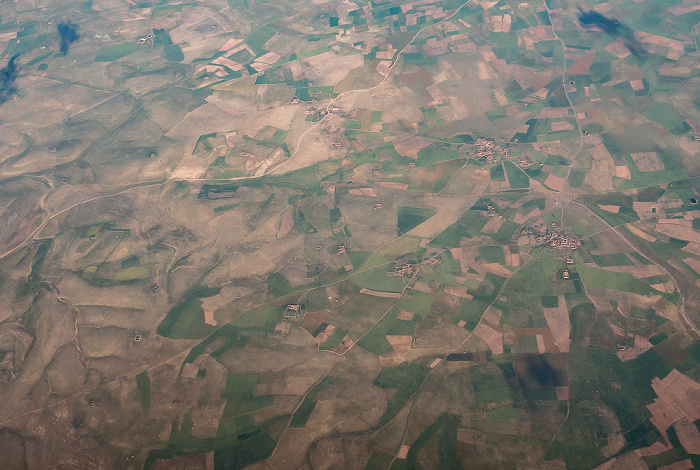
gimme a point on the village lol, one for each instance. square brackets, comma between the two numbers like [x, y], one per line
[292, 314]
[409, 269]
[558, 238]
[487, 150]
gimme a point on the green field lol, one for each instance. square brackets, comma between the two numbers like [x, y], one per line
[262, 318]
[534, 277]
[174, 53]
[668, 117]
[406, 379]
[303, 412]
[317, 299]
[647, 314]
[516, 177]
[471, 310]
[333, 340]
[238, 443]
[279, 285]
[376, 279]
[468, 225]
[503, 413]
[593, 277]
[240, 396]
[492, 384]
[625, 215]
[674, 170]
[550, 301]
[532, 204]
[231, 336]
[225, 207]
[435, 153]
[612, 259]
[443, 432]
[506, 231]
[494, 395]
[379, 461]
[412, 217]
[595, 371]
[375, 340]
[492, 254]
[257, 38]
[116, 51]
[143, 383]
[103, 276]
[185, 320]
[444, 273]
[498, 173]
[624, 387]
[576, 177]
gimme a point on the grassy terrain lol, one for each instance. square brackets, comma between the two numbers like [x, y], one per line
[534, 277]
[444, 431]
[143, 383]
[232, 339]
[185, 320]
[612, 259]
[471, 310]
[412, 217]
[516, 177]
[240, 396]
[406, 379]
[375, 341]
[532, 204]
[279, 285]
[174, 53]
[303, 412]
[139, 182]
[116, 51]
[262, 318]
[492, 254]
[668, 117]
[333, 340]
[231, 449]
[468, 225]
[593, 277]
[376, 279]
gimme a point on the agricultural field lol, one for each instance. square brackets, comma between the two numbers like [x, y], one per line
[350, 234]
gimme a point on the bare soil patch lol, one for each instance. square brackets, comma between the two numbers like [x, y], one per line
[689, 435]
[554, 182]
[610, 208]
[388, 295]
[387, 184]
[582, 66]
[405, 315]
[618, 48]
[400, 342]
[641, 234]
[679, 397]
[363, 192]
[562, 126]
[558, 323]
[458, 291]
[622, 171]
[490, 336]
[562, 392]
[323, 336]
[492, 225]
[648, 161]
[678, 231]
[411, 146]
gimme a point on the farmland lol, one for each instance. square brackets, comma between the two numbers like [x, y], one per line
[349, 234]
